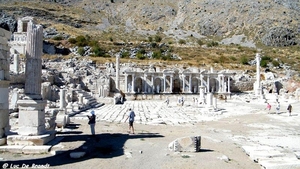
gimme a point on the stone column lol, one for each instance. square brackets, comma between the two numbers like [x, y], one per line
[16, 63]
[32, 108]
[228, 84]
[132, 84]
[118, 72]
[219, 81]
[257, 85]
[164, 83]
[183, 83]
[62, 100]
[171, 84]
[152, 82]
[190, 83]
[208, 84]
[201, 93]
[209, 99]
[126, 81]
[4, 84]
[215, 103]
[146, 84]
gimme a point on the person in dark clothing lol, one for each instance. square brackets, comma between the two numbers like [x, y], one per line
[92, 122]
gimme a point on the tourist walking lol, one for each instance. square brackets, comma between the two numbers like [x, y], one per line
[130, 116]
[167, 101]
[278, 108]
[269, 107]
[289, 108]
[92, 122]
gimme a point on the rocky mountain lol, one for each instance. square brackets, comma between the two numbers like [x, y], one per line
[268, 22]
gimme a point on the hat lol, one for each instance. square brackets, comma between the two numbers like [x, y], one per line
[129, 108]
[92, 112]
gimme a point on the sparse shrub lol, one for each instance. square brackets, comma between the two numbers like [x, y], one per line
[157, 54]
[153, 45]
[98, 51]
[200, 42]
[233, 58]
[81, 41]
[72, 40]
[157, 38]
[212, 43]
[275, 63]
[111, 39]
[150, 39]
[81, 51]
[125, 54]
[59, 37]
[222, 59]
[140, 56]
[263, 63]
[244, 60]
[181, 41]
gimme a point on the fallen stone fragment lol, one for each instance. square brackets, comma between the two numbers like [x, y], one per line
[77, 154]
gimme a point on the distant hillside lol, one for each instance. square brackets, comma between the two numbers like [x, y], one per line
[268, 22]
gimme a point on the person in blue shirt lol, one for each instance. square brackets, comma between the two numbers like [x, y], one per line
[131, 116]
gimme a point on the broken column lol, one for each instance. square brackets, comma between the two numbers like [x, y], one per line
[4, 84]
[32, 107]
[16, 63]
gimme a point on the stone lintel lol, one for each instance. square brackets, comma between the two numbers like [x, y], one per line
[32, 104]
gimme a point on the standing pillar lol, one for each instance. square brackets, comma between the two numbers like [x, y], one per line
[183, 83]
[152, 82]
[208, 84]
[16, 63]
[164, 83]
[32, 108]
[145, 84]
[209, 100]
[126, 81]
[117, 72]
[171, 84]
[257, 85]
[4, 84]
[190, 83]
[132, 84]
[62, 100]
[228, 90]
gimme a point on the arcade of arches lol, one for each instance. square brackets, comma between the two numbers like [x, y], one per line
[176, 81]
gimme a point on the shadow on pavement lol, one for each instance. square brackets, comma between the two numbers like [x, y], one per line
[107, 145]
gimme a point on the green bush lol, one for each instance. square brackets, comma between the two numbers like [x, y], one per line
[275, 63]
[157, 38]
[181, 41]
[157, 54]
[200, 42]
[98, 51]
[140, 56]
[244, 60]
[59, 37]
[264, 63]
[72, 40]
[266, 58]
[233, 58]
[81, 41]
[150, 39]
[81, 51]
[125, 54]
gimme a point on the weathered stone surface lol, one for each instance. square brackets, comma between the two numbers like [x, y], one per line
[35, 149]
[186, 144]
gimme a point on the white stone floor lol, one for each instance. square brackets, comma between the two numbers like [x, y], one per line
[276, 145]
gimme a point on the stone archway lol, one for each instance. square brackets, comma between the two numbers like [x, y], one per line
[195, 85]
[157, 85]
[138, 85]
[176, 86]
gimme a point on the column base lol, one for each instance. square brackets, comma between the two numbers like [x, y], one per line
[2, 141]
[31, 140]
